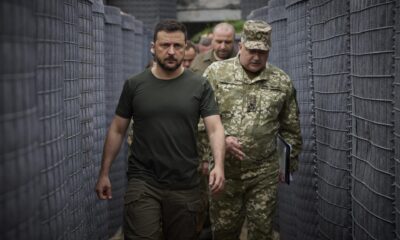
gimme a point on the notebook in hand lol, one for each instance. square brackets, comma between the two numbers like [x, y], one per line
[284, 149]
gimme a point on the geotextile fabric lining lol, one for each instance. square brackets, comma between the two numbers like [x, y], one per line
[299, 69]
[277, 19]
[396, 107]
[372, 69]
[100, 222]
[330, 24]
[150, 12]
[114, 80]
[72, 119]
[258, 14]
[19, 122]
[50, 83]
[53, 118]
[139, 43]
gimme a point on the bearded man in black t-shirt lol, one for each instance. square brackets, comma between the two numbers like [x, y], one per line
[165, 103]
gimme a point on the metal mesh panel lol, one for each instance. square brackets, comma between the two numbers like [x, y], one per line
[114, 82]
[248, 6]
[371, 38]
[19, 125]
[72, 124]
[397, 119]
[167, 9]
[86, 79]
[259, 14]
[147, 39]
[277, 19]
[99, 107]
[302, 189]
[275, 14]
[128, 35]
[148, 11]
[50, 81]
[139, 51]
[331, 67]
[113, 60]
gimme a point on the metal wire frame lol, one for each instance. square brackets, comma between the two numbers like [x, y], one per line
[330, 58]
[19, 122]
[372, 119]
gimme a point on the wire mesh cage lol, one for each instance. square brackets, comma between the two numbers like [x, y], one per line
[396, 94]
[147, 11]
[258, 14]
[128, 35]
[19, 122]
[303, 187]
[248, 6]
[330, 24]
[72, 119]
[86, 78]
[114, 81]
[277, 19]
[50, 83]
[139, 41]
[147, 39]
[372, 64]
[99, 118]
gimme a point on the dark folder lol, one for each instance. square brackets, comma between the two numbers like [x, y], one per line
[284, 149]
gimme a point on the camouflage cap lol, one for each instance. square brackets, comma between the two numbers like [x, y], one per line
[256, 35]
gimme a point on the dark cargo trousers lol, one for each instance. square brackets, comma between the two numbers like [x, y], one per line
[152, 213]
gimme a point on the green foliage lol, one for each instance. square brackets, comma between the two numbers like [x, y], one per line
[237, 24]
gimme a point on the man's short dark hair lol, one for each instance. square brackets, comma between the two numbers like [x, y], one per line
[169, 25]
[190, 45]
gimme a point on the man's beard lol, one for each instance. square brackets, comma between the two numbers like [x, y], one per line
[223, 54]
[168, 68]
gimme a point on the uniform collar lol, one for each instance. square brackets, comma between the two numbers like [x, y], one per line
[209, 56]
[241, 75]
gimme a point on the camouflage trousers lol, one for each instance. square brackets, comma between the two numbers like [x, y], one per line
[254, 199]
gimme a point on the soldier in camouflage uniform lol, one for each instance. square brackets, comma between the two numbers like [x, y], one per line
[222, 48]
[257, 101]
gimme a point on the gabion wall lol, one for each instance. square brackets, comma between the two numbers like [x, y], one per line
[248, 6]
[396, 108]
[58, 59]
[99, 116]
[19, 122]
[114, 70]
[50, 83]
[259, 14]
[63, 66]
[372, 76]
[331, 85]
[343, 57]
[148, 11]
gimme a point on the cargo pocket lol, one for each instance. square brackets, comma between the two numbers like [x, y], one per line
[133, 195]
[196, 210]
[134, 192]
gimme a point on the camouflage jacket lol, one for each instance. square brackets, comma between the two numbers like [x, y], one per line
[255, 111]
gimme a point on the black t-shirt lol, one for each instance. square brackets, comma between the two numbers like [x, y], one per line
[166, 114]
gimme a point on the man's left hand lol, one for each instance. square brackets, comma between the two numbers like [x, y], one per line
[216, 180]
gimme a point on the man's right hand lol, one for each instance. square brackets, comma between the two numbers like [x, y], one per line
[234, 147]
[103, 188]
